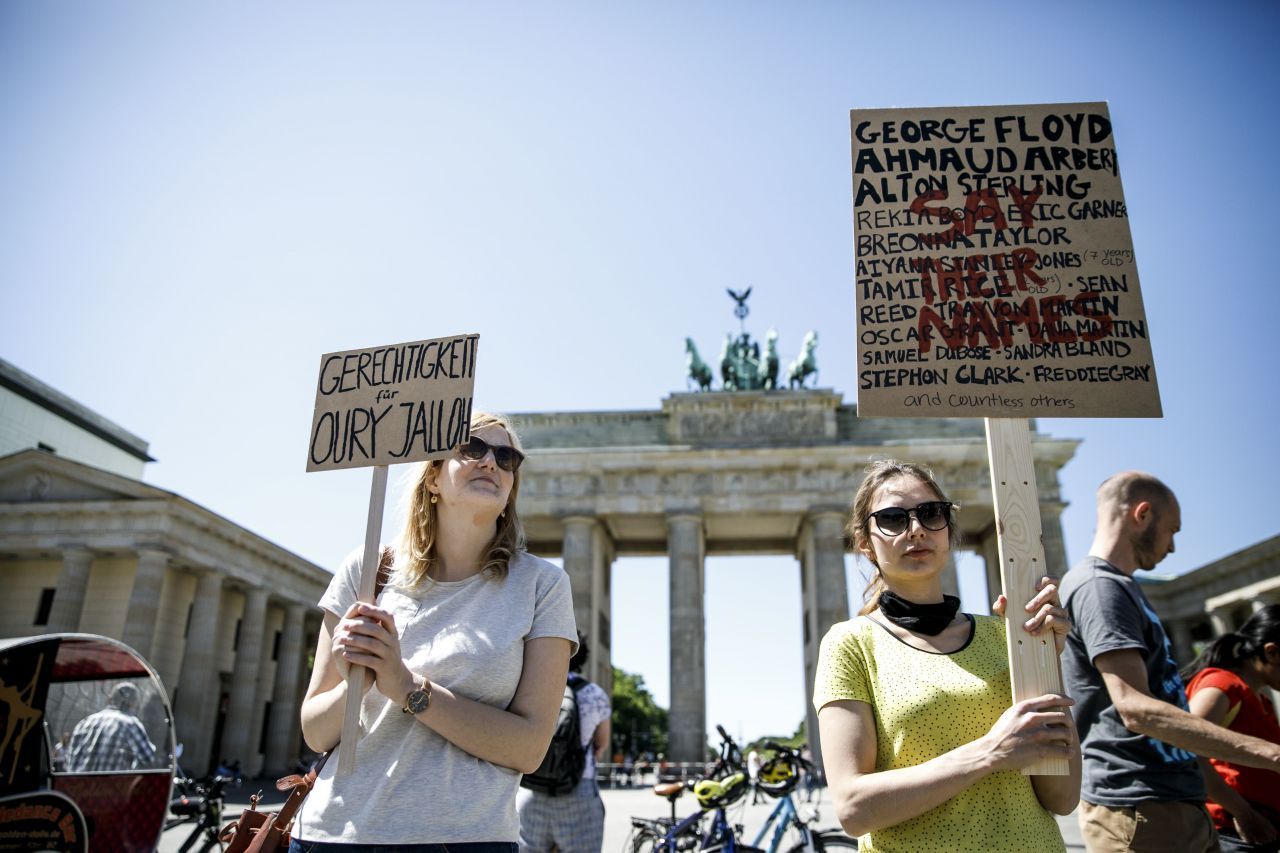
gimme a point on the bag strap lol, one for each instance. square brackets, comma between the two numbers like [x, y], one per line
[385, 562]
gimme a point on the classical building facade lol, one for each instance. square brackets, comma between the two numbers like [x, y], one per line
[1216, 598]
[226, 618]
[744, 472]
[35, 415]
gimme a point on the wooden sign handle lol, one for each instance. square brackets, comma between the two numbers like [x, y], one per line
[1033, 661]
[356, 675]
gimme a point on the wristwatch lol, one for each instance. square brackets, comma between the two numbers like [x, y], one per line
[418, 700]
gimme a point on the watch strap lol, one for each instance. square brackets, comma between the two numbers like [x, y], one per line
[423, 691]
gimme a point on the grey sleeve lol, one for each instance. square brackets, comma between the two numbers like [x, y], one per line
[553, 610]
[1107, 618]
[341, 593]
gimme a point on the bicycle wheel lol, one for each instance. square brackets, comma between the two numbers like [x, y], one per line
[828, 839]
[642, 841]
[211, 842]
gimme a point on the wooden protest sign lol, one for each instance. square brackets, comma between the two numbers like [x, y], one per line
[996, 278]
[377, 407]
[995, 269]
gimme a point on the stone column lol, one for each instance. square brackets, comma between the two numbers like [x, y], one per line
[312, 622]
[197, 701]
[238, 741]
[282, 743]
[950, 577]
[991, 556]
[1221, 620]
[262, 694]
[599, 664]
[73, 580]
[588, 555]
[1257, 604]
[144, 600]
[579, 564]
[1055, 548]
[825, 596]
[1180, 634]
[687, 720]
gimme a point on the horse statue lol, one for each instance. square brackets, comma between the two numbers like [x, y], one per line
[805, 364]
[728, 371]
[699, 372]
[769, 366]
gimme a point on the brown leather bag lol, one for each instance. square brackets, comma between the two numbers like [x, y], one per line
[268, 832]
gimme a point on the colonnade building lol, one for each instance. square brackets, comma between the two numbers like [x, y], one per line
[227, 618]
[1216, 598]
[742, 472]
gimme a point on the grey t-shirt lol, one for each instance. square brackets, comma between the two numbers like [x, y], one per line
[410, 785]
[1109, 612]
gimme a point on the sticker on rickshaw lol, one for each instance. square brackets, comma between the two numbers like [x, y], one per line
[42, 821]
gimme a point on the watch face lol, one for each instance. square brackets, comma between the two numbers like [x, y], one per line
[417, 701]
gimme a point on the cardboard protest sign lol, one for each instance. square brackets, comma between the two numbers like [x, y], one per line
[378, 407]
[995, 268]
[392, 404]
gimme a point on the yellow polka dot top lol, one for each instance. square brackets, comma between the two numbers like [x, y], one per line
[926, 704]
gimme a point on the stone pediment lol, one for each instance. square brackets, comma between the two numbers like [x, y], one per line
[35, 476]
[752, 418]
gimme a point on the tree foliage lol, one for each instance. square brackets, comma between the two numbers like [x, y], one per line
[639, 724]
[795, 740]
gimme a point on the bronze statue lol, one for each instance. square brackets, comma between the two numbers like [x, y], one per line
[806, 364]
[698, 370]
[728, 372]
[769, 367]
[742, 367]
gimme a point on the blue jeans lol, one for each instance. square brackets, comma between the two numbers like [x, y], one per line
[298, 846]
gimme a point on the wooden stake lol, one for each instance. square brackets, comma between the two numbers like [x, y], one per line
[1033, 662]
[356, 675]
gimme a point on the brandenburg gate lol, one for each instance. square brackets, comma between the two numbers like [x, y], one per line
[740, 472]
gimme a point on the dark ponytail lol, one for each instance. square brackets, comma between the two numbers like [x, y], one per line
[1234, 648]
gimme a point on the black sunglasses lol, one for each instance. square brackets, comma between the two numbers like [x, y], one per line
[508, 458]
[894, 520]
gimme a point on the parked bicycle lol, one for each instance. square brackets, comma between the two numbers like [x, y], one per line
[709, 829]
[198, 802]
[722, 786]
[778, 778]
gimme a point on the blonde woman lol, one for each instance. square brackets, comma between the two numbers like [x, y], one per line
[469, 646]
[921, 749]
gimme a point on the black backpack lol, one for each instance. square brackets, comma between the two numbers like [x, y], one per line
[561, 768]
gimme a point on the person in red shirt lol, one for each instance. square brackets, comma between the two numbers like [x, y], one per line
[1226, 687]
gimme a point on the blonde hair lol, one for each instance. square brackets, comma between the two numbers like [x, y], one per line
[416, 551]
[857, 532]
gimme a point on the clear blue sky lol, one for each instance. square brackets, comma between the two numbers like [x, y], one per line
[198, 199]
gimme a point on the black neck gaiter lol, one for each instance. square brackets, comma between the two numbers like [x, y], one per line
[930, 619]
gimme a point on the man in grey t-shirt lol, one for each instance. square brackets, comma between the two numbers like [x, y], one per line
[1143, 786]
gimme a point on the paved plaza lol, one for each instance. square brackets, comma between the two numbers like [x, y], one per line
[620, 806]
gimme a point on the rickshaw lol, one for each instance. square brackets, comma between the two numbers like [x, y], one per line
[56, 794]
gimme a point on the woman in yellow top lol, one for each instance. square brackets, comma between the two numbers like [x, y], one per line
[921, 748]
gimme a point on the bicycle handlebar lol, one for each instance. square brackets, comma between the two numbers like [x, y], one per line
[794, 753]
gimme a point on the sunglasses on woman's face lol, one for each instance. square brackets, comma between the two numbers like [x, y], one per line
[894, 520]
[508, 458]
